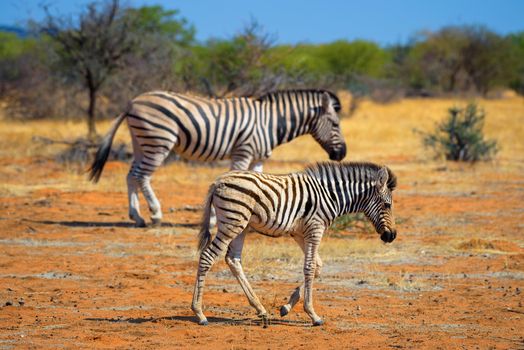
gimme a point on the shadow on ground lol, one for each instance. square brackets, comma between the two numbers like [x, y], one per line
[76, 223]
[212, 320]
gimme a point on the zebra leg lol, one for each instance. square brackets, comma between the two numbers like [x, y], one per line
[293, 299]
[233, 257]
[237, 163]
[295, 296]
[257, 166]
[152, 201]
[132, 195]
[207, 258]
[311, 251]
[148, 157]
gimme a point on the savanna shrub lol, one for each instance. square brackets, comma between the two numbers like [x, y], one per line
[460, 137]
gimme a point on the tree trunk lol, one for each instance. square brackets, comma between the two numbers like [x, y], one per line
[91, 126]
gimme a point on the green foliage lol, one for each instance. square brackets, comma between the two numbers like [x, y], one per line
[356, 221]
[463, 58]
[12, 47]
[155, 20]
[354, 58]
[13, 51]
[517, 46]
[340, 60]
[240, 64]
[460, 136]
[299, 59]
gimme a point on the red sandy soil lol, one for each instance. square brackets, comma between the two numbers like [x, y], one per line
[74, 272]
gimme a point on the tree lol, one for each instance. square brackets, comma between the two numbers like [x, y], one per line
[517, 49]
[358, 57]
[106, 37]
[164, 41]
[156, 21]
[240, 65]
[14, 52]
[458, 58]
[487, 58]
[92, 48]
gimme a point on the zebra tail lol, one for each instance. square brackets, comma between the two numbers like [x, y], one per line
[95, 171]
[204, 236]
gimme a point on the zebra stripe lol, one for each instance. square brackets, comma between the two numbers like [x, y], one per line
[246, 130]
[302, 205]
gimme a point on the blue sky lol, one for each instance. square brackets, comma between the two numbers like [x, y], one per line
[294, 21]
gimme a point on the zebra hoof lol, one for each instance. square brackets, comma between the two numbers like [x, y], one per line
[203, 322]
[265, 320]
[156, 222]
[140, 223]
[318, 322]
[284, 311]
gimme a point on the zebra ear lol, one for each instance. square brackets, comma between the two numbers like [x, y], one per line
[326, 101]
[382, 177]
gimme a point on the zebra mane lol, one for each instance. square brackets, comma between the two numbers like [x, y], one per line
[271, 94]
[350, 170]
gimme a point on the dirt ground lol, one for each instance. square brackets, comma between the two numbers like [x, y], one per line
[74, 272]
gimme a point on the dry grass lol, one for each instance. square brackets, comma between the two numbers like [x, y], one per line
[476, 244]
[268, 257]
[485, 246]
[370, 135]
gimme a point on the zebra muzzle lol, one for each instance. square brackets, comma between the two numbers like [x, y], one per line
[388, 236]
[338, 153]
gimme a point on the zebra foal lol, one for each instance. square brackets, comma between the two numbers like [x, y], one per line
[302, 205]
[245, 130]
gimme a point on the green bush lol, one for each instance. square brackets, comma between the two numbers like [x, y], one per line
[352, 222]
[460, 136]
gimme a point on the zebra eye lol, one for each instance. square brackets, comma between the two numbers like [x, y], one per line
[387, 205]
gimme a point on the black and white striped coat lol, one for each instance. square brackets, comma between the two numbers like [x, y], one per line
[245, 130]
[302, 205]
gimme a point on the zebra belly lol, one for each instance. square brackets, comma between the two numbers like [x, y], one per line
[201, 153]
[273, 230]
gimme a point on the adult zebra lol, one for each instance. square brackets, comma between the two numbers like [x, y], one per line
[243, 129]
[302, 205]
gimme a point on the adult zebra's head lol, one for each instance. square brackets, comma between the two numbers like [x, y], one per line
[326, 127]
[379, 208]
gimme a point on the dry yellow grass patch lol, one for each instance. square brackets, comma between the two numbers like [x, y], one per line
[385, 131]
[276, 256]
[375, 132]
[16, 137]
[476, 244]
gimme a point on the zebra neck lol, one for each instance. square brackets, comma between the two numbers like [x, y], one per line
[287, 120]
[349, 196]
